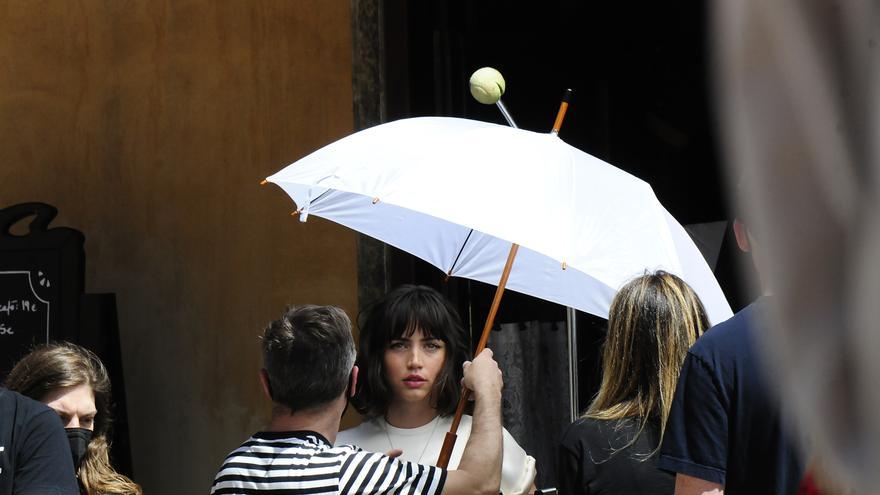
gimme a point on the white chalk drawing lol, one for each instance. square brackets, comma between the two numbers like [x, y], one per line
[16, 305]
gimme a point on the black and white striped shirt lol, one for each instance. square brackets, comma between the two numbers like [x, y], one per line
[304, 462]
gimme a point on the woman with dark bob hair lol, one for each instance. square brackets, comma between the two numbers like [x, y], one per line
[73, 381]
[411, 350]
[652, 323]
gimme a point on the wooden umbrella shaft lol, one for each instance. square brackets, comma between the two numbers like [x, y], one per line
[449, 441]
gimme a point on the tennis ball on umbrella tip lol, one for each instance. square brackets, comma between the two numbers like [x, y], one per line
[487, 85]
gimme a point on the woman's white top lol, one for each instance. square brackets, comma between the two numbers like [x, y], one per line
[422, 445]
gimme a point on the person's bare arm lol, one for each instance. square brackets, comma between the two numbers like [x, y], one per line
[480, 468]
[688, 485]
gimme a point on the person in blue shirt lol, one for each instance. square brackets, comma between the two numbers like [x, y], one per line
[726, 432]
[34, 455]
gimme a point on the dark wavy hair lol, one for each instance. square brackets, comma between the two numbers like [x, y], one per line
[50, 367]
[398, 314]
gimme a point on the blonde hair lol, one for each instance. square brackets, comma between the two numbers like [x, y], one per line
[652, 322]
[54, 366]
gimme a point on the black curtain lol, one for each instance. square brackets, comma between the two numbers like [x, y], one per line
[642, 102]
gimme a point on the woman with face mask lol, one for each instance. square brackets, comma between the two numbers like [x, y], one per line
[73, 381]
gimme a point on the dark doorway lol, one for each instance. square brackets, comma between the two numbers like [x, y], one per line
[642, 101]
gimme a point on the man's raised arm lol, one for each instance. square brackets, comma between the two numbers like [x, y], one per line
[480, 468]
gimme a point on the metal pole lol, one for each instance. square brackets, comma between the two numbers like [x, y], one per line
[571, 324]
[506, 114]
[570, 313]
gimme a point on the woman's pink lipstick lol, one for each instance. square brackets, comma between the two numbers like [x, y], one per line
[414, 381]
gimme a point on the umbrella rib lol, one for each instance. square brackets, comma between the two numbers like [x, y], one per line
[461, 250]
[312, 201]
[305, 208]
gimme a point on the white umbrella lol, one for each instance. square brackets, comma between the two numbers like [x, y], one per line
[457, 192]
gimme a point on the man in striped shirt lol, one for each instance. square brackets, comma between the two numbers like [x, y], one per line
[309, 373]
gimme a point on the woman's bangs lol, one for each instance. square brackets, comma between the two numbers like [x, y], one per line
[432, 320]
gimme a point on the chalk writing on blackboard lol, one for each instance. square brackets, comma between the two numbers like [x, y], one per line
[24, 315]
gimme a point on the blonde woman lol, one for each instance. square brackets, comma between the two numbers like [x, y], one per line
[652, 322]
[73, 381]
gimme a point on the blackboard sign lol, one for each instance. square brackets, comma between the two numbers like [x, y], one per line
[41, 282]
[42, 300]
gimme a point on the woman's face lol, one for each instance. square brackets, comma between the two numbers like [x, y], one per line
[75, 405]
[412, 366]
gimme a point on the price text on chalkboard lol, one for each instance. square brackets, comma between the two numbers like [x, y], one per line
[24, 316]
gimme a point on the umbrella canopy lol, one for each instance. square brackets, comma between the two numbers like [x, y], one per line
[456, 193]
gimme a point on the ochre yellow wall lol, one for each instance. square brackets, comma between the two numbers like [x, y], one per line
[149, 124]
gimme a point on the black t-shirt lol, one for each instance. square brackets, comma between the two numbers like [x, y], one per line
[592, 459]
[35, 455]
[724, 426]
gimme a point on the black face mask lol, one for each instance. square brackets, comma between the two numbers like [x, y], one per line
[79, 439]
